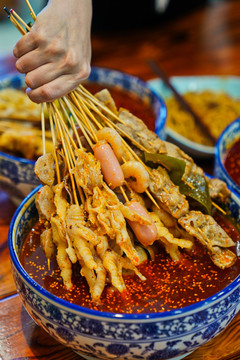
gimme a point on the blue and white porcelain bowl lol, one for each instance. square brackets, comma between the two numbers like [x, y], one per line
[17, 176]
[100, 335]
[225, 141]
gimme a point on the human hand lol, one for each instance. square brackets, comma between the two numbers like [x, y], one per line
[55, 55]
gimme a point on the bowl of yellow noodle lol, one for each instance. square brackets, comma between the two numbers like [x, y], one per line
[216, 99]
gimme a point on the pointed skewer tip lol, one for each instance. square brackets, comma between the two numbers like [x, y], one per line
[7, 11]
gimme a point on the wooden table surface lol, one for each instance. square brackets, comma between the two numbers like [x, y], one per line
[204, 41]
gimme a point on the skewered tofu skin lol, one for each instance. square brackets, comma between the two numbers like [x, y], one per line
[47, 243]
[138, 131]
[87, 171]
[45, 169]
[104, 211]
[105, 97]
[59, 239]
[167, 194]
[45, 203]
[211, 235]
[81, 236]
[218, 190]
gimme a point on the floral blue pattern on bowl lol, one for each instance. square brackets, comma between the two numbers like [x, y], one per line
[225, 141]
[101, 335]
[227, 84]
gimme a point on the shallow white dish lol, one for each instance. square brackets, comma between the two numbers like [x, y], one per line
[227, 84]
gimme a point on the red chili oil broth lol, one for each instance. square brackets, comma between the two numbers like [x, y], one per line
[169, 285]
[129, 101]
[232, 162]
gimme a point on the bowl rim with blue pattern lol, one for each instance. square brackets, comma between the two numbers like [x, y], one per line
[227, 138]
[171, 313]
[183, 83]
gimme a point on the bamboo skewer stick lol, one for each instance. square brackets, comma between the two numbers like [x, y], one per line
[219, 208]
[43, 129]
[95, 101]
[17, 25]
[124, 194]
[14, 21]
[54, 145]
[66, 136]
[137, 158]
[68, 158]
[67, 151]
[108, 122]
[78, 121]
[64, 125]
[20, 19]
[94, 139]
[80, 102]
[86, 119]
[70, 120]
[32, 13]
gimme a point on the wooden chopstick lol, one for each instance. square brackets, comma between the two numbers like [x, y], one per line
[161, 74]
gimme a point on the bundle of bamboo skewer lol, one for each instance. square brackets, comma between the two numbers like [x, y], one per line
[82, 111]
